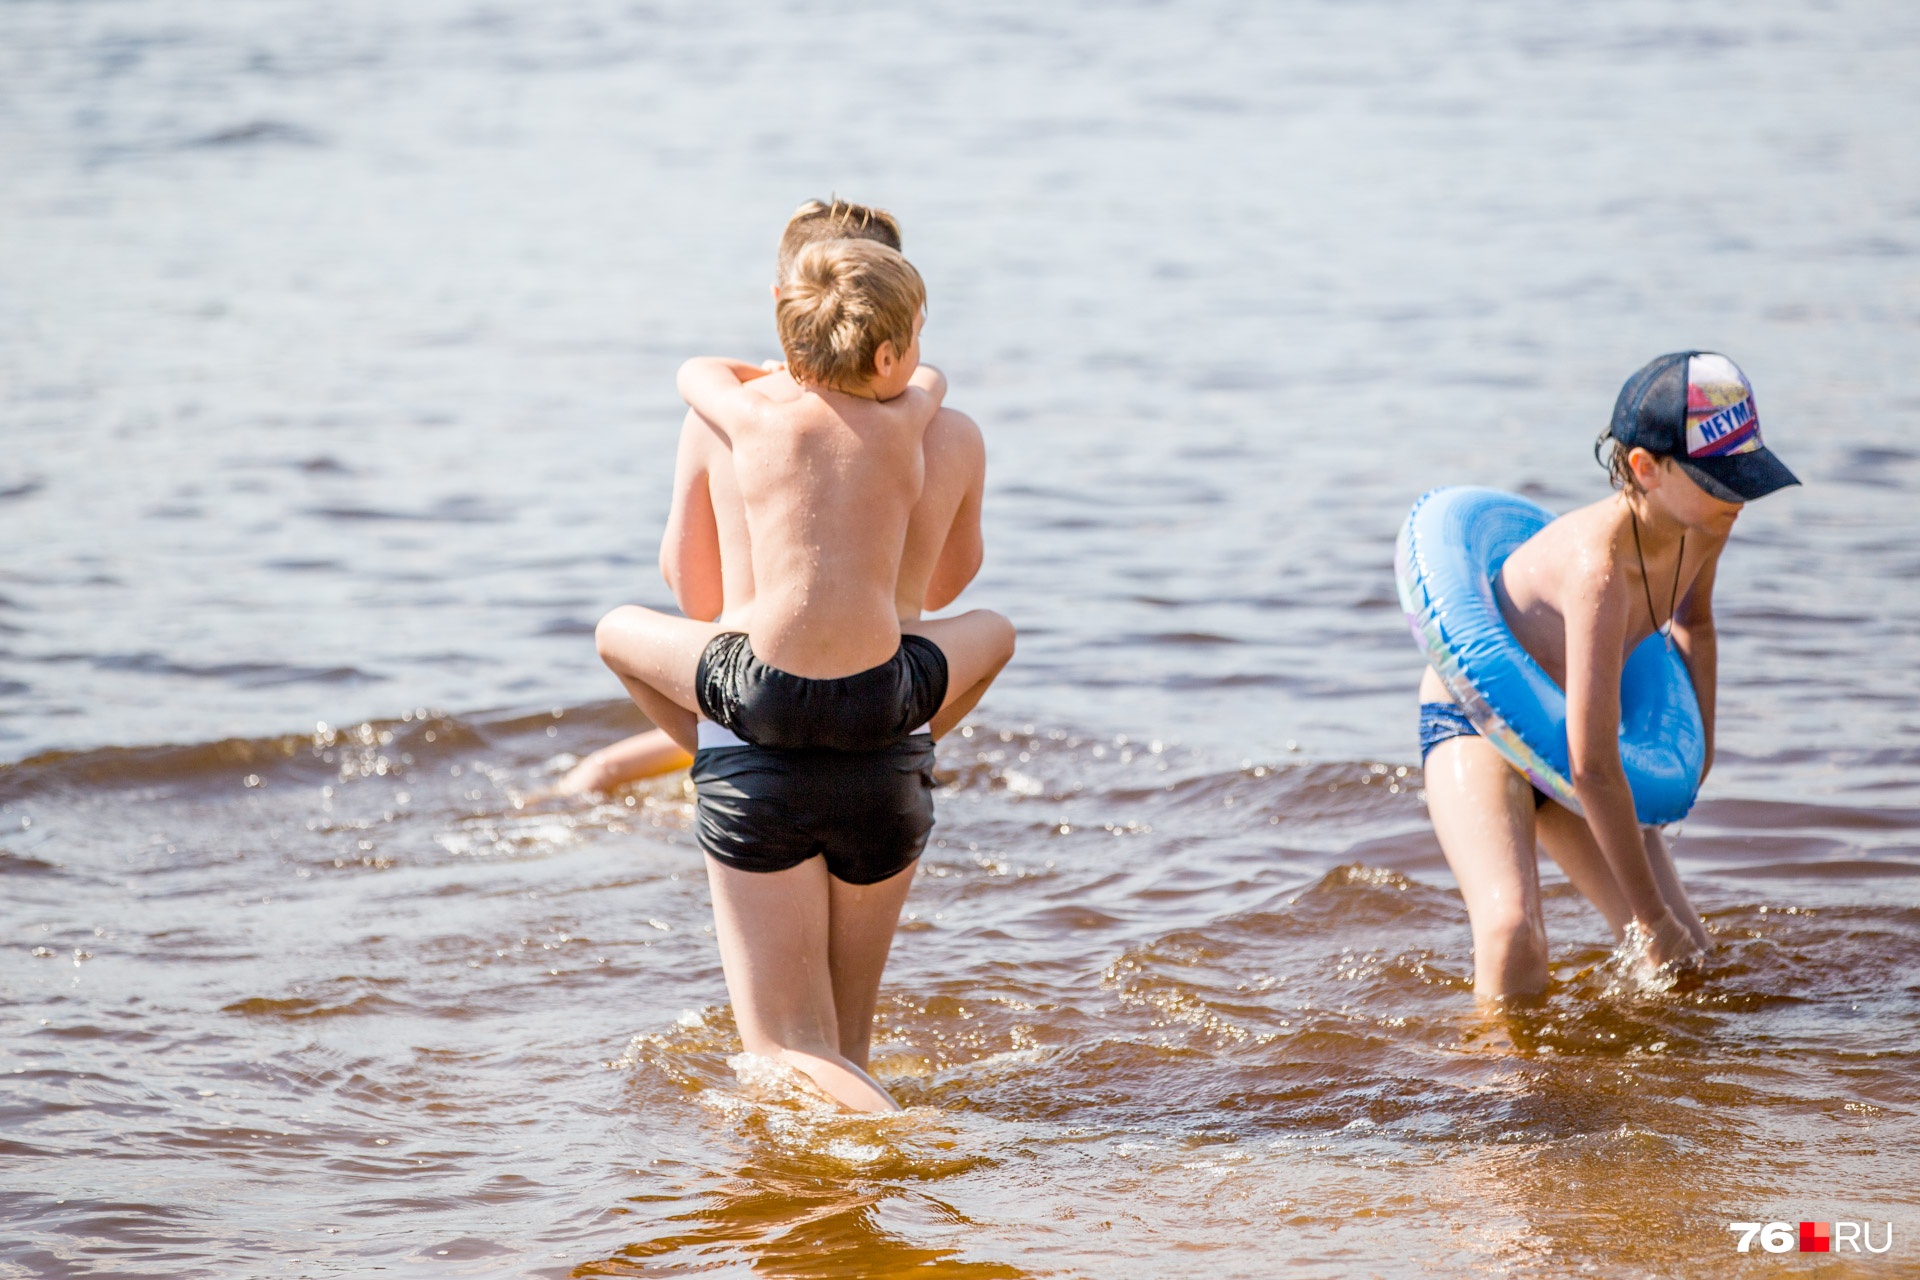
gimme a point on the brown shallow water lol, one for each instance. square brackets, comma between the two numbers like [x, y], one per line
[335, 389]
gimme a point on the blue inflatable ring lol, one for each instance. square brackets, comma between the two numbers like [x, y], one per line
[1446, 560]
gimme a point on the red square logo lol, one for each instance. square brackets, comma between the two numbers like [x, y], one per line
[1816, 1237]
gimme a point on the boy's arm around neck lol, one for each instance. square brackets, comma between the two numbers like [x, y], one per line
[931, 381]
[712, 387]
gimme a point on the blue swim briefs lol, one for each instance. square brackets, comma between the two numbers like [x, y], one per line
[1440, 721]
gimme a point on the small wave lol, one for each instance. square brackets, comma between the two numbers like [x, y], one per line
[20, 864]
[304, 566]
[451, 511]
[114, 768]
[372, 747]
[258, 133]
[345, 998]
[1788, 815]
[1179, 639]
[1059, 765]
[1835, 869]
[247, 675]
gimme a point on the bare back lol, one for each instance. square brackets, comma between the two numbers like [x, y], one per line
[828, 483]
[825, 482]
[942, 546]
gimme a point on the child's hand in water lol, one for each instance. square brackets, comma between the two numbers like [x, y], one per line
[1653, 955]
[1669, 940]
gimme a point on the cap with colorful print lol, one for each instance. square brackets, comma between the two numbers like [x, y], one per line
[1696, 407]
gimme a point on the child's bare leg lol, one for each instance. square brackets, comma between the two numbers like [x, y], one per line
[1569, 841]
[644, 755]
[657, 657]
[1672, 892]
[861, 921]
[977, 644]
[774, 936]
[1483, 813]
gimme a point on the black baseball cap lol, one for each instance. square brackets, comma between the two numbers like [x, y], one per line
[1696, 407]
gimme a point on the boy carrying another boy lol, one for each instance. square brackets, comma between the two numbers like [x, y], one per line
[812, 707]
[708, 564]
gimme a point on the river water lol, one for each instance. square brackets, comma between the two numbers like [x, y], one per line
[336, 353]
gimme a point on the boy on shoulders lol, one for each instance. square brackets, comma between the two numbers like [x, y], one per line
[826, 483]
[704, 554]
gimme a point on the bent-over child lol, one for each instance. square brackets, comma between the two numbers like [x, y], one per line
[1684, 455]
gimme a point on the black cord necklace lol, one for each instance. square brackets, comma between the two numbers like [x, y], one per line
[1666, 632]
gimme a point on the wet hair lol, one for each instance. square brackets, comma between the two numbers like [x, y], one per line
[843, 299]
[1612, 455]
[833, 219]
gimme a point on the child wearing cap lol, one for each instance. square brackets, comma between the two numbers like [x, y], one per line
[1684, 454]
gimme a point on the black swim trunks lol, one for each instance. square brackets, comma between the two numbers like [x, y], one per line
[1440, 721]
[866, 711]
[867, 813]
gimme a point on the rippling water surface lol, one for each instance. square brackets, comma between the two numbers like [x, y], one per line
[336, 346]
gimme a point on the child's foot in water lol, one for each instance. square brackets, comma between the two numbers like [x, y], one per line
[644, 755]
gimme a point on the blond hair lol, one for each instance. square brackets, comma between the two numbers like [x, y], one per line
[843, 299]
[833, 219]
